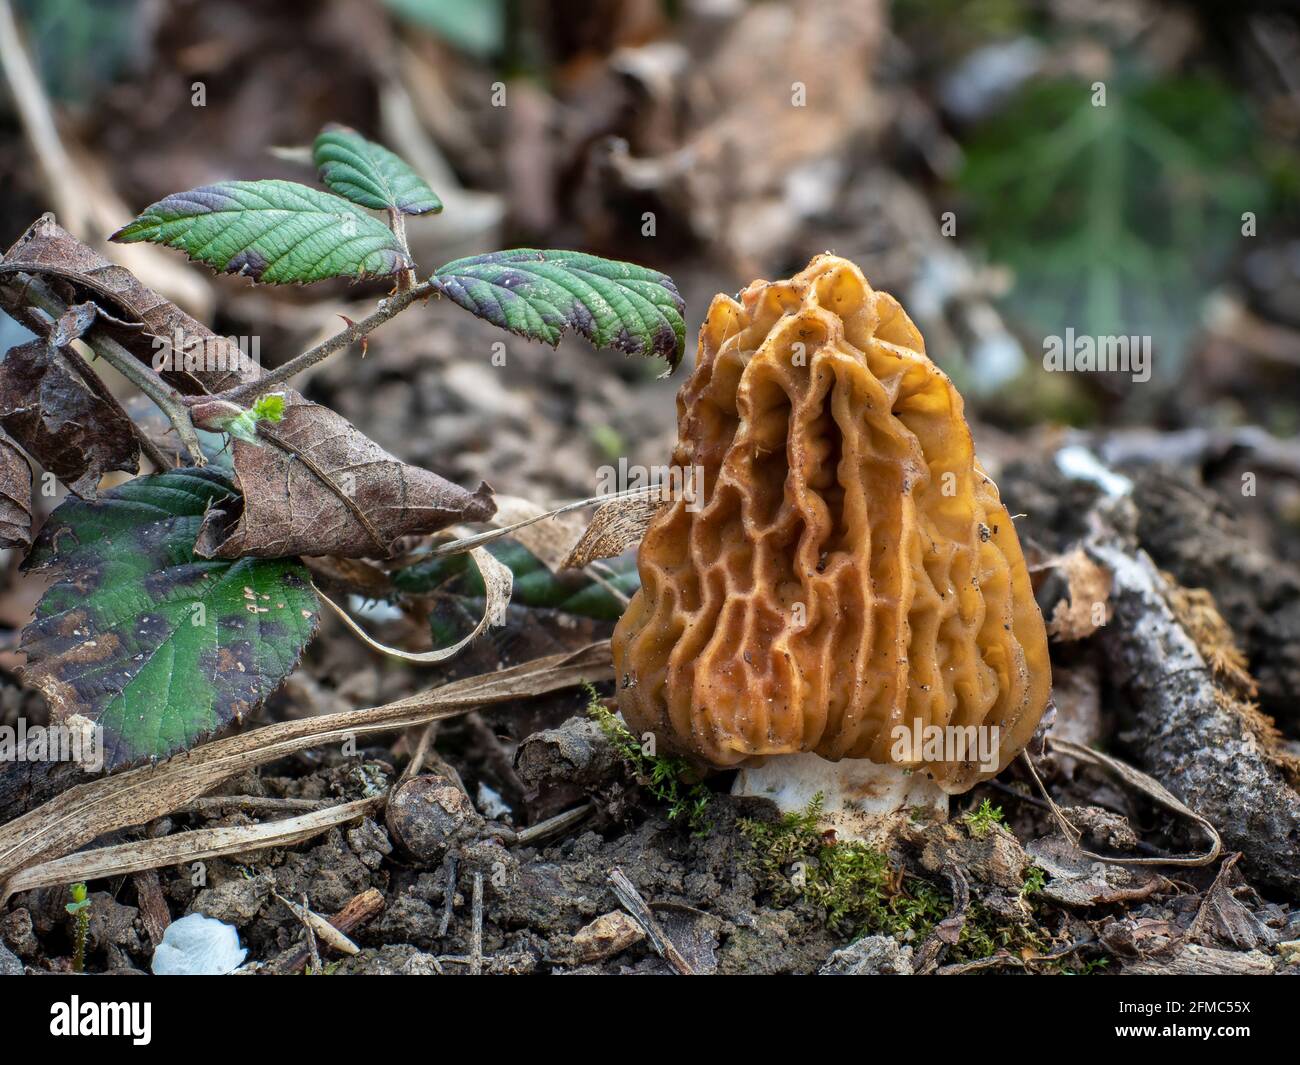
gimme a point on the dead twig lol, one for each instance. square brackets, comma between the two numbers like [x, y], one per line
[359, 909]
[184, 847]
[630, 899]
[86, 811]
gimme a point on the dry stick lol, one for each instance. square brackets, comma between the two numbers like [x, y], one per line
[359, 909]
[318, 928]
[551, 825]
[448, 892]
[474, 959]
[476, 936]
[635, 905]
[38, 294]
[154, 912]
[37, 117]
[184, 847]
[269, 381]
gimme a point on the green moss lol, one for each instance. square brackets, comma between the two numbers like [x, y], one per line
[671, 781]
[859, 892]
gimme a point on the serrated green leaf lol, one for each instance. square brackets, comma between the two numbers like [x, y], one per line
[369, 174]
[539, 294]
[271, 231]
[535, 586]
[159, 647]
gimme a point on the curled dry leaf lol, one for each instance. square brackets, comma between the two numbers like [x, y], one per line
[144, 318]
[1088, 605]
[62, 416]
[320, 487]
[350, 496]
[15, 496]
[615, 527]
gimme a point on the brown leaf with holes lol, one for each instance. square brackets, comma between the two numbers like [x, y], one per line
[320, 487]
[316, 486]
[1075, 618]
[15, 496]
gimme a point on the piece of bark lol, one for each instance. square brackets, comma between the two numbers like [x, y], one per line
[1193, 533]
[154, 912]
[1195, 960]
[1187, 735]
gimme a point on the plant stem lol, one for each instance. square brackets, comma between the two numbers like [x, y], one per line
[38, 294]
[245, 393]
[397, 223]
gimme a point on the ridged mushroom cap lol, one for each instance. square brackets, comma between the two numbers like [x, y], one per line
[850, 567]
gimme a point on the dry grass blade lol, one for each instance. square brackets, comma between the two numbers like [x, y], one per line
[498, 582]
[184, 847]
[1139, 782]
[75, 817]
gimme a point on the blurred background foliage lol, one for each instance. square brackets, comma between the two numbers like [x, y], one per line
[1169, 212]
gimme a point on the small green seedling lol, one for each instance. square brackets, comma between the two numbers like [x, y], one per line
[982, 819]
[79, 907]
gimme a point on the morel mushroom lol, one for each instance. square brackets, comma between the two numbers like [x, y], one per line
[849, 572]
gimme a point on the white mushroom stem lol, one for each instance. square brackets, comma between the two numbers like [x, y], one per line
[861, 799]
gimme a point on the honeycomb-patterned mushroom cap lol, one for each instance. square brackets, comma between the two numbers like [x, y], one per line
[849, 568]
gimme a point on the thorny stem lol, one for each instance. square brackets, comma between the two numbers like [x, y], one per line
[36, 293]
[251, 390]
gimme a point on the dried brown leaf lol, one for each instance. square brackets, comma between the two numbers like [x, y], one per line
[1076, 618]
[15, 496]
[320, 487]
[145, 319]
[72, 430]
[615, 527]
